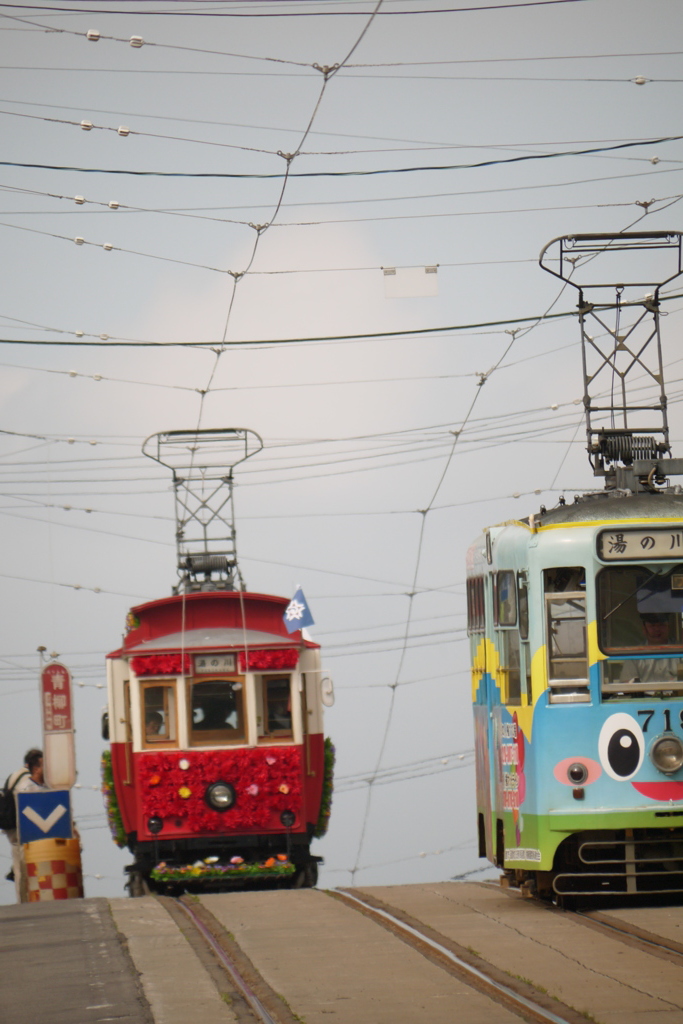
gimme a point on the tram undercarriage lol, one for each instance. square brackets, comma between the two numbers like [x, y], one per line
[628, 862]
[218, 864]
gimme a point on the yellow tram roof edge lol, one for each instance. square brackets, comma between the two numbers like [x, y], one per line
[617, 523]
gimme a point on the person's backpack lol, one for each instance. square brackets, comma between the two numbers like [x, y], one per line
[8, 807]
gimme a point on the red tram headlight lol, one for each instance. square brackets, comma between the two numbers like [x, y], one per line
[288, 818]
[155, 825]
[220, 796]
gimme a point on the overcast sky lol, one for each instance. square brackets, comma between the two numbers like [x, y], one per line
[221, 294]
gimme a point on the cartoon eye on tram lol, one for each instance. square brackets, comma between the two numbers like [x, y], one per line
[575, 619]
[218, 771]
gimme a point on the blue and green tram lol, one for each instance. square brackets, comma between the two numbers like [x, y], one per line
[575, 622]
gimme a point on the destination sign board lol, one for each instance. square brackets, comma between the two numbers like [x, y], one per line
[640, 545]
[208, 664]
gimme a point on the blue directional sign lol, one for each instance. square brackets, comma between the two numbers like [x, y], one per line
[44, 815]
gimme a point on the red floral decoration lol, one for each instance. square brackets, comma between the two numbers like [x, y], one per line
[274, 773]
[262, 660]
[162, 665]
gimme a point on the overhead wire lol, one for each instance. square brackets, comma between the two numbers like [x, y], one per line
[214, 389]
[297, 131]
[108, 342]
[371, 172]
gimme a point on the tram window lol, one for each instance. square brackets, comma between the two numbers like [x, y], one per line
[274, 707]
[475, 604]
[567, 651]
[523, 599]
[509, 652]
[639, 608]
[526, 651]
[216, 709]
[158, 714]
[563, 579]
[126, 711]
[506, 598]
[640, 677]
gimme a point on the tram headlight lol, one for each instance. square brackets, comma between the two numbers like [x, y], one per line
[577, 773]
[155, 825]
[288, 818]
[666, 753]
[220, 796]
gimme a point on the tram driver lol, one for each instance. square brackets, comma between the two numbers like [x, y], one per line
[656, 627]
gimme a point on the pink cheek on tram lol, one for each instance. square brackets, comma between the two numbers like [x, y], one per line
[592, 771]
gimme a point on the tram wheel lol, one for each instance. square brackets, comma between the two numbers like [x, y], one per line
[135, 885]
[306, 877]
[173, 890]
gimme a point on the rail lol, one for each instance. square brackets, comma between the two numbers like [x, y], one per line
[498, 990]
[249, 996]
[632, 934]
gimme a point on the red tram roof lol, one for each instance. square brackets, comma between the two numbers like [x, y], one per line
[210, 621]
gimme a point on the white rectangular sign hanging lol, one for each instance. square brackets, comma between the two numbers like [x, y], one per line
[410, 282]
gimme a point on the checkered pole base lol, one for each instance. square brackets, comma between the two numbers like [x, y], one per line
[53, 870]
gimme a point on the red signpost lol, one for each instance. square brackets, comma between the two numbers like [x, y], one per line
[56, 691]
[58, 731]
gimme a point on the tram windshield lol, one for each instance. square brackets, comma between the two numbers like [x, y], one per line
[640, 616]
[216, 711]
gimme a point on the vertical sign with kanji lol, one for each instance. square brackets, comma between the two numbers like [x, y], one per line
[56, 691]
[58, 729]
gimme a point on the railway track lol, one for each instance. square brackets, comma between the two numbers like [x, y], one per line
[517, 996]
[228, 961]
[250, 997]
[628, 932]
[632, 934]
[261, 1004]
[259, 1010]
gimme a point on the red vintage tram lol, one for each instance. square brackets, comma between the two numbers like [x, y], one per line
[218, 770]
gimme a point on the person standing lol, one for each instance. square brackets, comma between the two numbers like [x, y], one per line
[27, 780]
